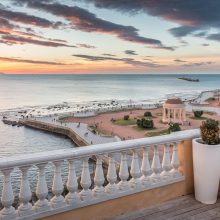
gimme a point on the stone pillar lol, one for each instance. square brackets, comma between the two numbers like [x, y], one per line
[180, 115]
[174, 115]
[164, 115]
[168, 118]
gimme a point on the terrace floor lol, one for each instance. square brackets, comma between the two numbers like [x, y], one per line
[183, 208]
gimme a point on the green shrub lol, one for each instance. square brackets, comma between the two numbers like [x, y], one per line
[198, 114]
[145, 123]
[173, 127]
[210, 132]
[147, 114]
[139, 123]
[148, 123]
[126, 117]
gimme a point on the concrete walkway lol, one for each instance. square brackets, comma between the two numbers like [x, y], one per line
[81, 130]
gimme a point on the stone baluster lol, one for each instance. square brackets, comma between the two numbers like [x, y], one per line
[25, 194]
[7, 199]
[166, 162]
[156, 166]
[72, 185]
[99, 179]
[85, 194]
[123, 173]
[175, 162]
[145, 168]
[111, 188]
[41, 191]
[135, 171]
[57, 187]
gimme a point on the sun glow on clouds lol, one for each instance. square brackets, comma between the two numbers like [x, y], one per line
[59, 37]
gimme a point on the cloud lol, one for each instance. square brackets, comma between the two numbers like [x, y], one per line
[5, 24]
[95, 58]
[190, 15]
[201, 34]
[205, 45]
[24, 18]
[84, 20]
[180, 61]
[198, 64]
[129, 61]
[14, 34]
[10, 39]
[86, 46]
[16, 60]
[130, 52]
[215, 37]
[181, 31]
[108, 54]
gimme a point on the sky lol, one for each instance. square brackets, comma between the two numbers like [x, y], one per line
[109, 36]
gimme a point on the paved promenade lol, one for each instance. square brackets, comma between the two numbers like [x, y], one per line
[82, 130]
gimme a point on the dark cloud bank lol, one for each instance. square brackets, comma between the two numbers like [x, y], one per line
[192, 16]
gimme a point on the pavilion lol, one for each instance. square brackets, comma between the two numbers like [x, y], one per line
[174, 111]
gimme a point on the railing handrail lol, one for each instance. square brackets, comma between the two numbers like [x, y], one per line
[98, 149]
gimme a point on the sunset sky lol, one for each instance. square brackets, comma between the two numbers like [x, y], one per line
[109, 36]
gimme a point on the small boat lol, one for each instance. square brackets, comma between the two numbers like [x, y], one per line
[189, 79]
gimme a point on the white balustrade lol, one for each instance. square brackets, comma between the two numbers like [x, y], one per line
[8, 212]
[57, 187]
[111, 188]
[123, 173]
[135, 171]
[175, 161]
[41, 191]
[156, 166]
[72, 198]
[25, 194]
[145, 168]
[99, 179]
[149, 176]
[166, 162]
[85, 182]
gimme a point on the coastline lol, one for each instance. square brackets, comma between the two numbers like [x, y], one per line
[92, 108]
[102, 114]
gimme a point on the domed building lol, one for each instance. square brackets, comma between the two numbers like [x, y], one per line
[174, 111]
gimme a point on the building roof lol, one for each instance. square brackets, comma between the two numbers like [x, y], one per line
[174, 101]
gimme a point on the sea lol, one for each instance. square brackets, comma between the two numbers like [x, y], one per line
[27, 91]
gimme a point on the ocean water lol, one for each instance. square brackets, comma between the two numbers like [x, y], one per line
[17, 91]
[22, 91]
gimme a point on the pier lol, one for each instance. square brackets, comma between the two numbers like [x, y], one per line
[79, 134]
[56, 129]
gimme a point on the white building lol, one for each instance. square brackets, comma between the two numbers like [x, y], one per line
[174, 111]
